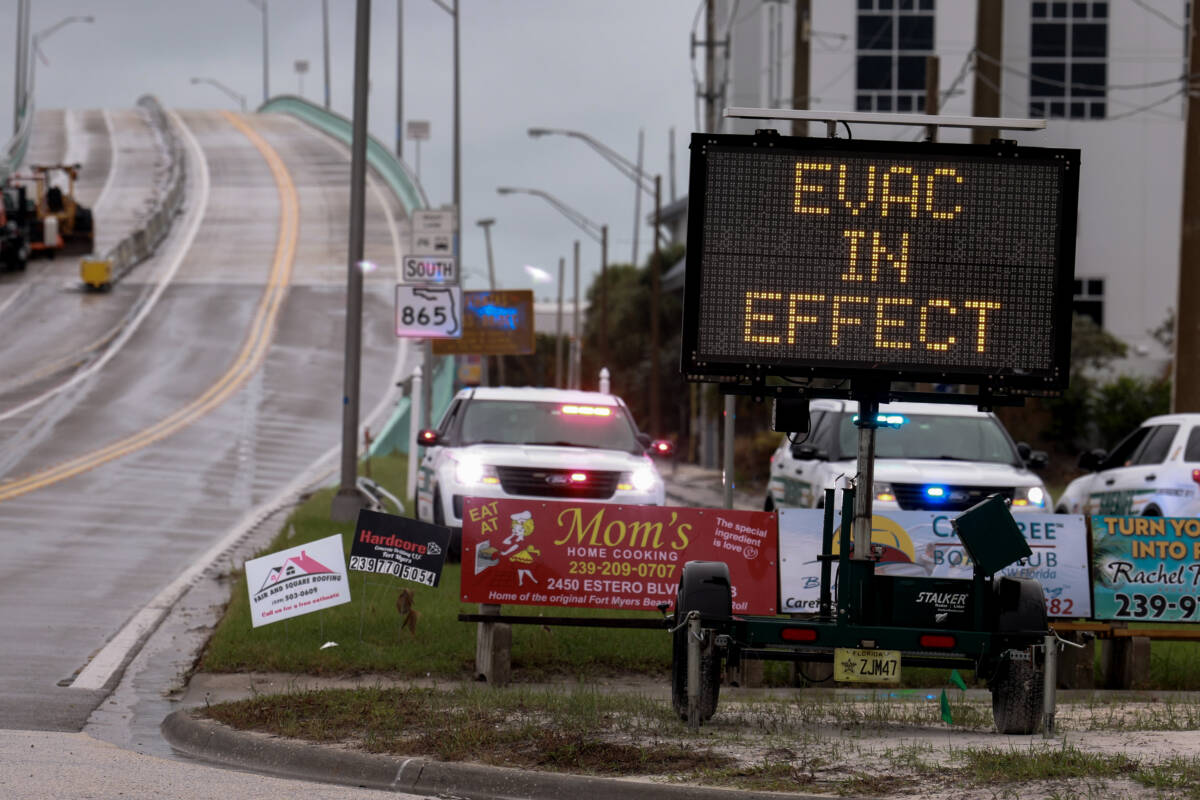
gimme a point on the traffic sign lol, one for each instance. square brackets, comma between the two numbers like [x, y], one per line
[430, 270]
[428, 312]
[433, 221]
[494, 324]
[836, 258]
[433, 233]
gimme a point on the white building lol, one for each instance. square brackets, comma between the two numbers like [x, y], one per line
[1107, 75]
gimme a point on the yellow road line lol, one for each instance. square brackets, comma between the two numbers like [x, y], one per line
[244, 365]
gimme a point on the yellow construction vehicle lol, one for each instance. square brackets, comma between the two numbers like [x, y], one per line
[61, 224]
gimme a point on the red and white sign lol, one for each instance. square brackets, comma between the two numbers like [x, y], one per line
[301, 579]
[597, 555]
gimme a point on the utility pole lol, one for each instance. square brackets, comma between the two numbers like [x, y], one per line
[487, 224]
[575, 351]
[637, 197]
[671, 160]
[801, 56]
[348, 501]
[655, 304]
[1185, 367]
[932, 93]
[989, 49]
[604, 294]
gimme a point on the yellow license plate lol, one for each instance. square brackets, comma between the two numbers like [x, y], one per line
[866, 666]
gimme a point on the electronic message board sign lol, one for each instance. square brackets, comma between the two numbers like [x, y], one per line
[836, 258]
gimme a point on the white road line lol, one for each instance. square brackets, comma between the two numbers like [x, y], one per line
[121, 649]
[195, 216]
[113, 161]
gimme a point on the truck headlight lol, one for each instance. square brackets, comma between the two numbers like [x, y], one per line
[472, 471]
[1029, 497]
[642, 479]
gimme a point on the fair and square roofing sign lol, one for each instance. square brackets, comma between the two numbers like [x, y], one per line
[305, 578]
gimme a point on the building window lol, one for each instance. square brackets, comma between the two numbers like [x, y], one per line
[1068, 55]
[894, 38]
[1089, 299]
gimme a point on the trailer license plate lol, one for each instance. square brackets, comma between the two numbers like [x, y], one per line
[866, 666]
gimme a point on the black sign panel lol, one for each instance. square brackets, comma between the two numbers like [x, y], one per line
[407, 548]
[901, 261]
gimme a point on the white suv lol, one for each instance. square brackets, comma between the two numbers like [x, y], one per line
[546, 443]
[1154, 471]
[930, 457]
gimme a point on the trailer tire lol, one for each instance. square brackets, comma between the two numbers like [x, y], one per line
[704, 587]
[1017, 693]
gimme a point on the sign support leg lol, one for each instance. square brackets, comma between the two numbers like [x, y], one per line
[693, 672]
[1049, 701]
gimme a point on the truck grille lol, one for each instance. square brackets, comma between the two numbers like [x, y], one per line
[538, 482]
[912, 497]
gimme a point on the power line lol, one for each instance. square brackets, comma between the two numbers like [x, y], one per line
[1068, 84]
[1129, 113]
[1160, 15]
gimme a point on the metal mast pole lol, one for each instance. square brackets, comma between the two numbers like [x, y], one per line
[325, 47]
[347, 501]
[576, 349]
[266, 56]
[604, 294]
[655, 301]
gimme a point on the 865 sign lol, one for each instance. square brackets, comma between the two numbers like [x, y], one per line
[429, 312]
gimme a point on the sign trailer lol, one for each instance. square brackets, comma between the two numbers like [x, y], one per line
[835, 267]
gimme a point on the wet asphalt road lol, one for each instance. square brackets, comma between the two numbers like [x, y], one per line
[85, 552]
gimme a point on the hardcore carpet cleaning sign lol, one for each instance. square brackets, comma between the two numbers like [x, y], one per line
[407, 548]
[301, 579]
[597, 555]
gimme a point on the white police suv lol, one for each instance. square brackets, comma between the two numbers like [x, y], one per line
[929, 457]
[538, 443]
[1154, 471]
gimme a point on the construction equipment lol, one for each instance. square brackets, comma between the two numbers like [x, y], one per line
[62, 224]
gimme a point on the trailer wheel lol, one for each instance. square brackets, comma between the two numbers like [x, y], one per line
[1017, 692]
[704, 587]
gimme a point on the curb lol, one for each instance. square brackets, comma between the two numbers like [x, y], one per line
[211, 741]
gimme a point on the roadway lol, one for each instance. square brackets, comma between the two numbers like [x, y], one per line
[141, 431]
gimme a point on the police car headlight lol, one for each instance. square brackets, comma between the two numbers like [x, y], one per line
[471, 471]
[884, 492]
[1029, 497]
[643, 479]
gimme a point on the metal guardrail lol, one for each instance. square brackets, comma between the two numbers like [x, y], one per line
[141, 243]
[395, 173]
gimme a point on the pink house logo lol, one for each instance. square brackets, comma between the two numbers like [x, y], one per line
[294, 567]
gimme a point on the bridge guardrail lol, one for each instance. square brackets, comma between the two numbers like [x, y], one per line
[141, 243]
[394, 172]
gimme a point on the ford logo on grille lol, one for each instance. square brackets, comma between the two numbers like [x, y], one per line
[557, 480]
[960, 496]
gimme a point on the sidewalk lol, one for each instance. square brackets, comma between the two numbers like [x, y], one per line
[693, 485]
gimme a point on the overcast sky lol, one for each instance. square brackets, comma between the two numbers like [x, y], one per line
[604, 67]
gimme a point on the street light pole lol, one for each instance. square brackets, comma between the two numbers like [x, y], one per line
[348, 501]
[487, 224]
[575, 351]
[261, 5]
[558, 342]
[400, 86]
[21, 77]
[240, 98]
[325, 46]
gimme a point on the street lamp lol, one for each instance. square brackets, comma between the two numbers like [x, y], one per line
[642, 181]
[241, 98]
[596, 231]
[261, 5]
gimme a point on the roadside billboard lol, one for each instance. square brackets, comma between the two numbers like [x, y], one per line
[496, 323]
[299, 580]
[598, 555]
[923, 543]
[1146, 568]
